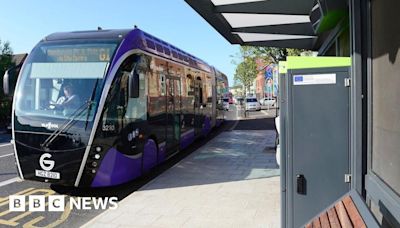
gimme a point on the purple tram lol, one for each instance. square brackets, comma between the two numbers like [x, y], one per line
[101, 108]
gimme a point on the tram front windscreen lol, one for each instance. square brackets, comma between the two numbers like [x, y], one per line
[59, 79]
[55, 104]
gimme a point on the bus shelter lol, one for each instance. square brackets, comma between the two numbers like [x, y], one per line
[367, 32]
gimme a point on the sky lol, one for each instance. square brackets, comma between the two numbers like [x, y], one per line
[25, 23]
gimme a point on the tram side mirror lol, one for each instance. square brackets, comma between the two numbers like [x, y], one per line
[9, 81]
[133, 85]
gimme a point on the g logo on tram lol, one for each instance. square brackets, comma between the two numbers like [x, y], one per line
[46, 164]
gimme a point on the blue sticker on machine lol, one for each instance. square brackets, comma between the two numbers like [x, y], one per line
[298, 78]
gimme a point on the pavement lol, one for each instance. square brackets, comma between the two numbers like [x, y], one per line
[241, 114]
[71, 218]
[8, 172]
[232, 181]
[211, 157]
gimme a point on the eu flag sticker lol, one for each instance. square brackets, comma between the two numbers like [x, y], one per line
[298, 78]
[314, 79]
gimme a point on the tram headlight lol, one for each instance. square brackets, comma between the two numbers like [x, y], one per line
[98, 149]
[94, 164]
[137, 132]
[97, 156]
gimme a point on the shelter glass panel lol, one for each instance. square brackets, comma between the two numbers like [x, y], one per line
[385, 40]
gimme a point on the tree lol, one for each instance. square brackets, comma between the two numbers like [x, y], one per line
[5, 63]
[245, 61]
[272, 54]
[5, 57]
[246, 72]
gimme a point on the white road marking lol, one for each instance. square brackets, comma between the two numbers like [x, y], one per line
[5, 144]
[12, 180]
[236, 121]
[6, 155]
[234, 125]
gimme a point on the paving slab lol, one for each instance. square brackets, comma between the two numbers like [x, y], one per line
[232, 181]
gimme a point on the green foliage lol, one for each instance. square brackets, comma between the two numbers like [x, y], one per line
[246, 72]
[246, 69]
[272, 54]
[5, 57]
[5, 63]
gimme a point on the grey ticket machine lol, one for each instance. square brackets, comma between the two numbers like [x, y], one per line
[314, 136]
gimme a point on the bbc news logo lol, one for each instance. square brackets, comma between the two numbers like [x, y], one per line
[58, 203]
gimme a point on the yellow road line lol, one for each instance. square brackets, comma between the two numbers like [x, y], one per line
[63, 218]
[18, 193]
[31, 224]
[20, 216]
[8, 223]
[26, 192]
[33, 221]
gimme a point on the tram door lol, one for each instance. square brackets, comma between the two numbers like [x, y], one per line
[198, 101]
[173, 113]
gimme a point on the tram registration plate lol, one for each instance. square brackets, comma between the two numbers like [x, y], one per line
[47, 174]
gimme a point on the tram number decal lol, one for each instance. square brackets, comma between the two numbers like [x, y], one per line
[108, 127]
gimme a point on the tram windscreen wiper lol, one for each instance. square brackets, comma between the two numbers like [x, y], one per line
[66, 125]
[86, 106]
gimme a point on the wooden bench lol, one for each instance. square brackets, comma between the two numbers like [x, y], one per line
[349, 211]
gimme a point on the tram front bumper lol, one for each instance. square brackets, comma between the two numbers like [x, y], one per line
[56, 167]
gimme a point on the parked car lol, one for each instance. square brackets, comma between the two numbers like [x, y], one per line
[252, 104]
[226, 104]
[267, 103]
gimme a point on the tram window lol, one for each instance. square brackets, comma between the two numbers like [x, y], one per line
[121, 105]
[167, 51]
[162, 84]
[150, 44]
[159, 48]
[189, 84]
[153, 85]
[137, 107]
[201, 95]
[133, 84]
[179, 88]
[52, 66]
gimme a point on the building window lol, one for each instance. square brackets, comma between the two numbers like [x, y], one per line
[190, 85]
[162, 84]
